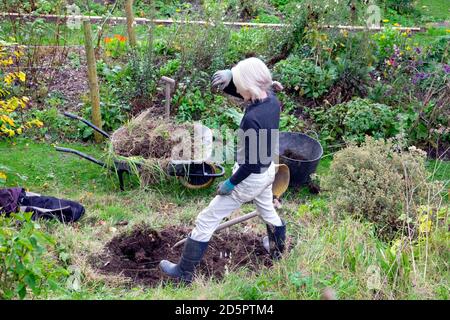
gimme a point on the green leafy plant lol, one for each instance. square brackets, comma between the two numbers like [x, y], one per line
[288, 120]
[212, 110]
[115, 46]
[304, 76]
[353, 120]
[170, 68]
[26, 261]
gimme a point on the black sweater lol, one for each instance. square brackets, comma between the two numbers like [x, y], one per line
[260, 115]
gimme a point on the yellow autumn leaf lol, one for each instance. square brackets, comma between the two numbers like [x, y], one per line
[9, 78]
[7, 62]
[9, 132]
[8, 120]
[425, 226]
[425, 222]
[21, 76]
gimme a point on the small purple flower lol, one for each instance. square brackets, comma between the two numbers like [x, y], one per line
[418, 50]
[420, 76]
[446, 68]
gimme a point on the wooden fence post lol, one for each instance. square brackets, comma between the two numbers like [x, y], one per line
[130, 21]
[93, 81]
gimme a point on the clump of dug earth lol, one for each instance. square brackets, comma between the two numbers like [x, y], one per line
[136, 255]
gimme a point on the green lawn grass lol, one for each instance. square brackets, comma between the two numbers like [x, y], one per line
[326, 252]
[438, 9]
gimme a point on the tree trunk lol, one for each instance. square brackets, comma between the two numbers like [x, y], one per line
[93, 81]
[130, 20]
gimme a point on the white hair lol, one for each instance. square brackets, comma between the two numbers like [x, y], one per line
[253, 77]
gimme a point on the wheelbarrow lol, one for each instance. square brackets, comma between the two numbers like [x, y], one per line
[195, 174]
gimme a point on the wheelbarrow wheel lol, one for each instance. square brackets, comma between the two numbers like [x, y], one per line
[198, 182]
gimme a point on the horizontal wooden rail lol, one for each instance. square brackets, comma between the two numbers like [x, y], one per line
[117, 20]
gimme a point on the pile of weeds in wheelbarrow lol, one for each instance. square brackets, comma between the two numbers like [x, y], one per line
[148, 137]
[149, 141]
[136, 255]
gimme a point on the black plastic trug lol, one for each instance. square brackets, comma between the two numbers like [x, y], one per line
[309, 151]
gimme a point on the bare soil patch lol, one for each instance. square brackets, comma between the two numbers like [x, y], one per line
[137, 255]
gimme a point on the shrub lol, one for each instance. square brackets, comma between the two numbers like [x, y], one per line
[11, 99]
[202, 47]
[304, 76]
[381, 185]
[247, 42]
[353, 120]
[440, 49]
[401, 6]
[354, 57]
[26, 262]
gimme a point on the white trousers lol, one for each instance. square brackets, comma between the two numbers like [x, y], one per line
[256, 187]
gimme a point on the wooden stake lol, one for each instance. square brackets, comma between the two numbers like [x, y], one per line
[170, 83]
[130, 21]
[93, 81]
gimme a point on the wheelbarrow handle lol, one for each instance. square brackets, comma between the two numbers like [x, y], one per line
[172, 170]
[73, 116]
[216, 175]
[81, 154]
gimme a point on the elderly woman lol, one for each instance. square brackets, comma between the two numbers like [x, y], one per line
[254, 172]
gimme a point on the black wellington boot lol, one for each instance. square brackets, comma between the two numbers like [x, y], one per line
[275, 240]
[190, 258]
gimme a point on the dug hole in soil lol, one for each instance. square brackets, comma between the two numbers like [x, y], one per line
[136, 255]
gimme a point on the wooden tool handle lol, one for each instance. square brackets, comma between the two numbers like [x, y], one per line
[226, 225]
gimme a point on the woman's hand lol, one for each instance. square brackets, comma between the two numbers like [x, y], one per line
[225, 188]
[221, 79]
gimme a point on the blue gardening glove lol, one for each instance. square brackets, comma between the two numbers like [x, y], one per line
[221, 79]
[225, 188]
